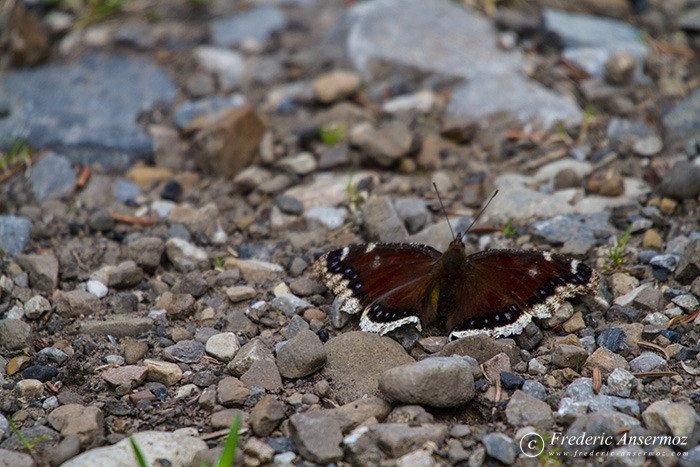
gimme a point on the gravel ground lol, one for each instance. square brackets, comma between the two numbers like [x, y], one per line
[171, 172]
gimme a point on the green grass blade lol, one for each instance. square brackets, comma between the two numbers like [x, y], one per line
[137, 452]
[229, 453]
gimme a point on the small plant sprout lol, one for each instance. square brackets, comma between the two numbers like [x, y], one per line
[26, 443]
[509, 230]
[615, 254]
[19, 151]
[220, 263]
[332, 134]
[353, 193]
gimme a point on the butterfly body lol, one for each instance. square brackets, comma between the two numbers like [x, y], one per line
[496, 292]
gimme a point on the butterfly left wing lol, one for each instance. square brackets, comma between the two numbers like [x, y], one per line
[389, 282]
[504, 289]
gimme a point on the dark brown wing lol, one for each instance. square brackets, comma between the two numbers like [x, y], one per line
[389, 282]
[504, 289]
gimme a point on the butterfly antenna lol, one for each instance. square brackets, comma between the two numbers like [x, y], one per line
[442, 206]
[479, 215]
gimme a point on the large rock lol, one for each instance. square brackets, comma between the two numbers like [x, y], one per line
[437, 381]
[355, 361]
[177, 448]
[49, 103]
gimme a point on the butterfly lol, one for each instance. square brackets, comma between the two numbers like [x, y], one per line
[496, 292]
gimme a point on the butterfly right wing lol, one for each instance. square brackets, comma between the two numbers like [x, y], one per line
[389, 282]
[504, 289]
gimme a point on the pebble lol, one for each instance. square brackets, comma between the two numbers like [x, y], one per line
[266, 415]
[384, 145]
[85, 421]
[290, 305]
[264, 374]
[535, 389]
[42, 270]
[253, 350]
[223, 346]
[613, 339]
[231, 392]
[15, 334]
[336, 85]
[14, 234]
[647, 361]
[29, 388]
[317, 437]
[36, 306]
[569, 356]
[77, 303]
[438, 382]
[130, 375]
[255, 271]
[525, 410]
[500, 447]
[301, 356]
[54, 354]
[682, 181]
[256, 24]
[327, 217]
[162, 372]
[621, 383]
[42, 373]
[185, 351]
[184, 255]
[606, 361]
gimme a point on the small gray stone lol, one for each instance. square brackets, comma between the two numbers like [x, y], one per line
[126, 274]
[256, 24]
[14, 234]
[647, 361]
[76, 303]
[263, 373]
[42, 270]
[184, 255]
[535, 389]
[290, 305]
[673, 418]
[598, 426]
[500, 447]
[188, 112]
[525, 410]
[621, 382]
[397, 439]
[296, 324]
[146, 251]
[222, 346]
[384, 145]
[15, 334]
[52, 177]
[193, 284]
[435, 381]
[186, 351]
[36, 306]
[569, 356]
[317, 437]
[682, 181]
[289, 205]
[249, 353]
[382, 221]
[412, 212]
[126, 192]
[328, 217]
[339, 318]
[231, 392]
[301, 356]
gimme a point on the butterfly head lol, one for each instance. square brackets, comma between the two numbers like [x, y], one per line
[455, 256]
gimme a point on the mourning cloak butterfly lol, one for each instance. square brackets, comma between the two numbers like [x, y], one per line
[496, 292]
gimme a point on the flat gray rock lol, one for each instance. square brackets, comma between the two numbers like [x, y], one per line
[445, 38]
[317, 437]
[48, 108]
[52, 177]
[436, 381]
[256, 24]
[14, 234]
